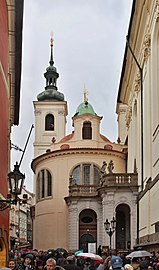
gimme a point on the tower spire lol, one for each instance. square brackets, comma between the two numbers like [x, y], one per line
[51, 45]
[51, 75]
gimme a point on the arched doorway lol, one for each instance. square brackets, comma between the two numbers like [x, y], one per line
[87, 229]
[3, 253]
[123, 227]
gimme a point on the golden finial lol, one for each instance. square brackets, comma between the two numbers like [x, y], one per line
[85, 92]
[51, 39]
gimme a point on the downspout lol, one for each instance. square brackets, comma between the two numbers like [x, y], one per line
[142, 148]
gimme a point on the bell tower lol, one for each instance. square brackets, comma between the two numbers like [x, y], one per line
[50, 111]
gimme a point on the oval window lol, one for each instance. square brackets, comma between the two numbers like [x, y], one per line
[87, 219]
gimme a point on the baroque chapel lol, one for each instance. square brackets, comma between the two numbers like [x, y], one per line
[80, 178]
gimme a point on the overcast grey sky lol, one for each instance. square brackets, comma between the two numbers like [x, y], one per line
[89, 44]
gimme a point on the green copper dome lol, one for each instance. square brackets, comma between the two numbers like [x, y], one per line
[85, 108]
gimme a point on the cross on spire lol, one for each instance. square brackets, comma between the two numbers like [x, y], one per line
[85, 93]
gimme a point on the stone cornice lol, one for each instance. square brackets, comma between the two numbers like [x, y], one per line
[75, 151]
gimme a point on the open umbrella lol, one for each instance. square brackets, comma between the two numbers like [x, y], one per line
[77, 252]
[139, 254]
[91, 256]
[61, 251]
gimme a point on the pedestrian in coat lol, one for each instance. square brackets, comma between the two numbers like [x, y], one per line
[27, 264]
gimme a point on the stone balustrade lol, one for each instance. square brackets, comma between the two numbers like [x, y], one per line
[114, 179]
[83, 190]
[122, 179]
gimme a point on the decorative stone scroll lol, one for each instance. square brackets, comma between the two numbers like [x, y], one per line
[61, 112]
[157, 10]
[128, 116]
[37, 112]
[146, 47]
[137, 86]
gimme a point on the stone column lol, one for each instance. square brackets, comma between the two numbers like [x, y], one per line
[73, 224]
[122, 131]
[108, 213]
[100, 225]
[133, 218]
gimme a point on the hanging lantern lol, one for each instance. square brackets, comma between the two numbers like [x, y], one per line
[16, 180]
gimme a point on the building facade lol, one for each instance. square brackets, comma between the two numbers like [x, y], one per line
[80, 179]
[138, 115]
[11, 18]
[20, 222]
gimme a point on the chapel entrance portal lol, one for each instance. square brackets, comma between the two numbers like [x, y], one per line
[87, 229]
[123, 227]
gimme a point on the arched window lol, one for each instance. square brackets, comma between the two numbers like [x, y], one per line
[38, 186]
[44, 184]
[86, 174]
[76, 175]
[49, 184]
[49, 122]
[87, 131]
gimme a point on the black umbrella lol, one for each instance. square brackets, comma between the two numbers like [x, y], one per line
[62, 251]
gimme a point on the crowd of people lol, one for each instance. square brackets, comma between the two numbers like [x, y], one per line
[49, 260]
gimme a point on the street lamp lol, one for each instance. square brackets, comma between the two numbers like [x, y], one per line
[110, 228]
[16, 180]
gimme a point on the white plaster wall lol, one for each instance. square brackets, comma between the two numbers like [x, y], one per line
[122, 129]
[155, 99]
[143, 216]
[154, 202]
[147, 130]
[43, 138]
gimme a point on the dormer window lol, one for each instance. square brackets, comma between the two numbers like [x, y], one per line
[49, 122]
[87, 131]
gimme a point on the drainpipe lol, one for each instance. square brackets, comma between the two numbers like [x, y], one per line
[142, 148]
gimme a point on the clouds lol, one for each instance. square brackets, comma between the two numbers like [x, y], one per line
[89, 43]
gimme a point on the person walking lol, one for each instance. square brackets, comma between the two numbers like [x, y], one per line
[50, 264]
[27, 264]
[99, 251]
[39, 265]
[70, 265]
[12, 264]
[105, 265]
